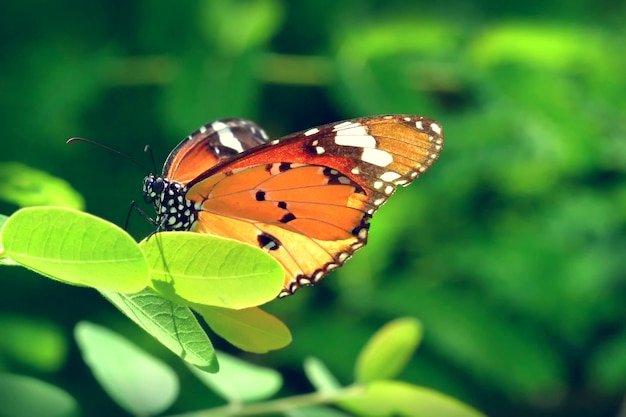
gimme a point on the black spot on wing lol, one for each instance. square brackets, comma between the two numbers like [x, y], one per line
[287, 218]
[268, 242]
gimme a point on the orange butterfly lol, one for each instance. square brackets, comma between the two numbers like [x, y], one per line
[306, 198]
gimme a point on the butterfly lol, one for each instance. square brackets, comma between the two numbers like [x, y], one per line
[306, 199]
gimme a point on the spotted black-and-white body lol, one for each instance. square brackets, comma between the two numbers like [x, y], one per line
[174, 211]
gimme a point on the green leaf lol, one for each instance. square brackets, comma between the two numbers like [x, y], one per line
[26, 186]
[239, 381]
[208, 270]
[393, 398]
[138, 382]
[22, 396]
[34, 342]
[386, 354]
[316, 411]
[250, 329]
[320, 377]
[5, 260]
[172, 324]
[75, 248]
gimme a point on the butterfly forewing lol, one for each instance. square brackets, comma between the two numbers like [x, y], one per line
[212, 143]
[307, 198]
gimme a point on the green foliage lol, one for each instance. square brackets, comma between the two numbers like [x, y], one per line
[509, 251]
[172, 324]
[143, 385]
[393, 398]
[26, 186]
[23, 396]
[138, 382]
[388, 351]
[241, 382]
[75, 248]
[36, 344]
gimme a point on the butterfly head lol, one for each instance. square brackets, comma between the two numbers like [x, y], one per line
[174, 211]
[153, 187]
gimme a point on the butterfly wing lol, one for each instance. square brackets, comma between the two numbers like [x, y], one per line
[307, 199]
[211, 144]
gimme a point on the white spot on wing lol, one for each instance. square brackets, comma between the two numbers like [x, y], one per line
[435, 128]
[357, 245]
[376, 157]
[311, 131]
[202, 129]
[344, 124]
[419, 125]
[390, 176]
[360, 140]
[227, 138]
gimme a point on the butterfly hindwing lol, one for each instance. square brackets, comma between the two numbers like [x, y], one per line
[212, 143]
[307, 198]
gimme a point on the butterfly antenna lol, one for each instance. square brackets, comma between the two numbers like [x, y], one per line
[108, 148]
[148, 149]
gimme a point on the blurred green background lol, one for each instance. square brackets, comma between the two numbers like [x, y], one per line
[510, 250]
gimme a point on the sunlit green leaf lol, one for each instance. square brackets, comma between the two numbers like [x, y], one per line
[26, 186]
[393, 398]
[138, 382]
[250, 329]
[22, 396]
[207, 270]
[172, 324]
[5, 260]
[76, 248]
[239, 381]
[388, 351]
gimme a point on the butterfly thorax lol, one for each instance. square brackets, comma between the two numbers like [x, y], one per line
[174, 211]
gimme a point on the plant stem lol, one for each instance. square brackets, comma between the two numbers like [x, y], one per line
[275, 406]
